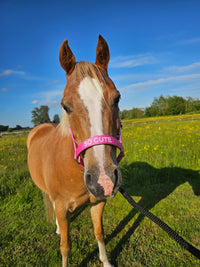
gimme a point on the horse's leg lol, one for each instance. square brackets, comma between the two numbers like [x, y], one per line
[63, 220]
[96, 214]
[57, 225]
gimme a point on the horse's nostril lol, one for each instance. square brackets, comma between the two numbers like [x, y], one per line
[116, 177]
[88, 179]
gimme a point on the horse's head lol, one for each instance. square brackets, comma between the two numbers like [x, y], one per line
[90, 102]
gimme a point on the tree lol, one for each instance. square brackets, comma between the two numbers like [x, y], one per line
[195, 103]
[124, 114]
[132, 113]
[18, 127]
[3, 128]
[40, 115]
[151, 111]
[163, 106]
[170, 105]
[176, 104]
[136, 113]
[56, 119]
[158, 107]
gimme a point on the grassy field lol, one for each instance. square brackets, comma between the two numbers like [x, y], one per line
[160, 171]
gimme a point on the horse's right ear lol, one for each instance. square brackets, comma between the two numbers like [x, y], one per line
[66, 57]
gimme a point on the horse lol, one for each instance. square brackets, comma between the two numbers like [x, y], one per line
[75, 162]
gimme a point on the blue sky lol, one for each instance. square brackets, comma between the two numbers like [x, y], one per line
[154, 46]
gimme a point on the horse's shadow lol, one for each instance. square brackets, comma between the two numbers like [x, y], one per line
[141, 179]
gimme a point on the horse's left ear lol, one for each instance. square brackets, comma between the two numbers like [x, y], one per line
[102, 53]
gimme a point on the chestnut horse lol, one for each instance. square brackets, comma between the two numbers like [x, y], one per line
[90, 109]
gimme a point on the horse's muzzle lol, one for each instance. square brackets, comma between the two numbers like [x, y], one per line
[105, 184]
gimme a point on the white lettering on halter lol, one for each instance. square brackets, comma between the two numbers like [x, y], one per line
[97, 140]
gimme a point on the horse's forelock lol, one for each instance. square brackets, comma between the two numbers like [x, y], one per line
[85, 69]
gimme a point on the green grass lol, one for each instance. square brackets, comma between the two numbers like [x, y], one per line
[160, 171]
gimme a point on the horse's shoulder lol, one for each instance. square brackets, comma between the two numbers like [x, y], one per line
[40, 131]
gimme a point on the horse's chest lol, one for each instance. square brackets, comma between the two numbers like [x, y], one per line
[77, 202]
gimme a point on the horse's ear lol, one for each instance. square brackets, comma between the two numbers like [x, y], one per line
[66, 57]
[102, 53]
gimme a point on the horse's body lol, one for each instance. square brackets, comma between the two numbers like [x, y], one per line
[48, 175]
[90, 108]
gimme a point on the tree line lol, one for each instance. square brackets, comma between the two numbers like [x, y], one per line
[161, 106]
[164, 106]
[6, 128]
[39, 115]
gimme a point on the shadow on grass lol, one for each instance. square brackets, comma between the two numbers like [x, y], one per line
[152, 185]
[77, 212]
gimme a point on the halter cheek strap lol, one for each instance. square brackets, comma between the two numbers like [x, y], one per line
[97, 140]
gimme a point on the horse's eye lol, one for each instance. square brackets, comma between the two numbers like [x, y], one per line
[116, 100]
[67, 109]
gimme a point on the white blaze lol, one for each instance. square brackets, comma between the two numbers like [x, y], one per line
[91, 94]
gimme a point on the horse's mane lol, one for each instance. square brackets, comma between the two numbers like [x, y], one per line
[82, 70]
[63, 126]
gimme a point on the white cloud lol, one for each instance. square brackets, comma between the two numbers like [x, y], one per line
[9, 72]
[140, 86]
[4, 90]
[186, 68]
[20, 74]
[51, 98]
[34, 102]
[188, 90]
[132, 61]
[172, 80]
[6, 72]
[170, 36]
[49, 95]
[49, 83]
[188, 41]
[129, 77]
[53, 104]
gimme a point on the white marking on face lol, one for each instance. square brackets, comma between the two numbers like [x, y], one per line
[91, 94]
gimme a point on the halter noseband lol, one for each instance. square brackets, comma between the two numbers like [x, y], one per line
[97, 140]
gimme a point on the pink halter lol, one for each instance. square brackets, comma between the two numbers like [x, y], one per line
[97, 140]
